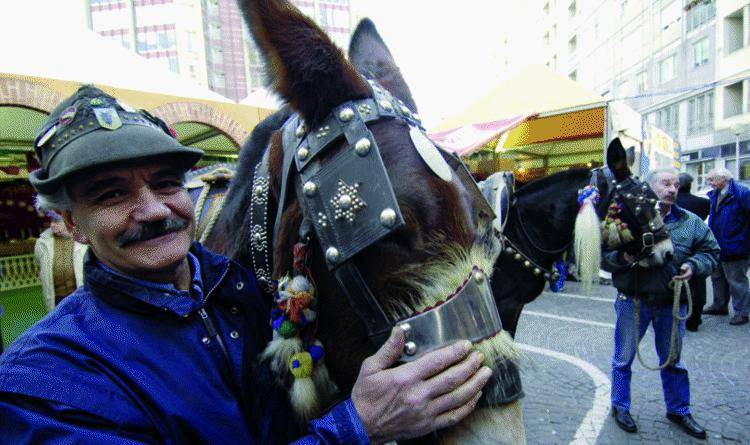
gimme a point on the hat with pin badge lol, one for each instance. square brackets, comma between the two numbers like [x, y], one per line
[92, 128]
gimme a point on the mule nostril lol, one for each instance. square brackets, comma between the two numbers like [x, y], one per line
[668, 256]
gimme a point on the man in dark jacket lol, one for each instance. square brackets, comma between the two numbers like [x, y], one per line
[160, 344]
[648, 293]
[699, 206]
[729, 219]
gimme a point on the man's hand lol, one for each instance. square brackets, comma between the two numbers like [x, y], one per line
[435, 391]
[629, 259]
[686, 271]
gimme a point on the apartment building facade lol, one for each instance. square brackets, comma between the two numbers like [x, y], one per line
[684, 64]
[205, 40]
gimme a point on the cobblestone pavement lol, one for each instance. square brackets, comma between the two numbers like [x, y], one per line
[562, 404]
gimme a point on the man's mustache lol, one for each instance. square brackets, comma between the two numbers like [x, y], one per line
[150, 230]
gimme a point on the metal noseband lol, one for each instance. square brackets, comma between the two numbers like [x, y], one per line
[469, 314]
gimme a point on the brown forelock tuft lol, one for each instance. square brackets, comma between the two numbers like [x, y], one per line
[307, 69]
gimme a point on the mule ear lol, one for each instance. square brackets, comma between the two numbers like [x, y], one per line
[306, 67]
[617, 160]
[371, 57]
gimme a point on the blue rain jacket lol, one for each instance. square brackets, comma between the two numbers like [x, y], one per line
[123, 361]
[730, 221]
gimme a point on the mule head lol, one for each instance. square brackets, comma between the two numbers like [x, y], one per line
[361, 185]
[632, 222]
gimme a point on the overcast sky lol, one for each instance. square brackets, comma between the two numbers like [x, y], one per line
[447, 50]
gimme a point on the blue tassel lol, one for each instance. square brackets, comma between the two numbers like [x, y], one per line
[562, 270]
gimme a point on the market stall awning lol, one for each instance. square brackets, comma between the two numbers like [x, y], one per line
[466, 139]
[575, 123]
[534, 90]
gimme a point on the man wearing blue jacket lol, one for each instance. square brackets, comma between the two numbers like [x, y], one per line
[160, 344]
[695, 256]
[730, 221]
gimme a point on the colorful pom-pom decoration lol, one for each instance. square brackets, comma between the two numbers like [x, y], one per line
[316, 352]
[301, 365]
[287, 329]
[588, 192]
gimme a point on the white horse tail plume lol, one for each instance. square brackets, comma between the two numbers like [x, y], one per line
[587, 244]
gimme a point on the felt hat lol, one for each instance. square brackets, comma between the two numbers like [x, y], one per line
[92, 128]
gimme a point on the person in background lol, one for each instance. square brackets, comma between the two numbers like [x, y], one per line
[699, 206]
[729, 219]
[695, 256]
[60, 260]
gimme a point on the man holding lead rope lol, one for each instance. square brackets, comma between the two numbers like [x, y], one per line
[657, 296]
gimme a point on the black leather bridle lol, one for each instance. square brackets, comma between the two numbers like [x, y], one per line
[347, 199]
[634, 195]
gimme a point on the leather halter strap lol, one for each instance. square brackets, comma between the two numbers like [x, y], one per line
[632, 201]
[344, 231]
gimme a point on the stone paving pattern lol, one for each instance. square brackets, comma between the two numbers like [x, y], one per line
[558, 393]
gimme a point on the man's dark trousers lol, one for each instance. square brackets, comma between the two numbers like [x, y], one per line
[698, 291]
[701, 207]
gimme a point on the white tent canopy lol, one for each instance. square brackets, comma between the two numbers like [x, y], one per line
[263, 98]
[40, 40]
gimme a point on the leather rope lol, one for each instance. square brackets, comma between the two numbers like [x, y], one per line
[674, 343]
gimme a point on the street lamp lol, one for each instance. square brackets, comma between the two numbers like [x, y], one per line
[737, 130]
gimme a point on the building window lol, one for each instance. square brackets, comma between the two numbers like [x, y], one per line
[734, 31]
[572, 9]
[572, 44]
[573, 75]
[701, 113]
[219, 80]
[150, 39]
[642, 80]
[731, 165]
[700, 52]
[217, 56]
[698, 13]
[699, 170]
[668, 119]
[174, 65]
[667, 69]
[733, 100]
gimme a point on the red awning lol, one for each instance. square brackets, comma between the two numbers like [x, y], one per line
[469, 138]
